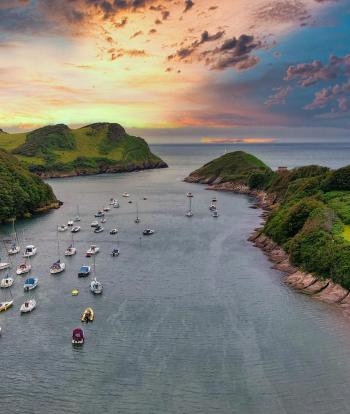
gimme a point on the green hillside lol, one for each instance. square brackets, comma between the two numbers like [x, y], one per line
[57, 150]
[234, 166]
[310, 217]
[22, 193]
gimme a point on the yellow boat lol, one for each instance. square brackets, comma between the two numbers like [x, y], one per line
[75, 292]
[88, 315]
[5, 305]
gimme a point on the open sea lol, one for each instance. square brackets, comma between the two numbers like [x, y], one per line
[192, 320]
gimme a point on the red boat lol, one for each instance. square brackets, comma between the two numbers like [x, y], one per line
[78, 337]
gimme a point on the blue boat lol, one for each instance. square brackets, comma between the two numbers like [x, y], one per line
[30, 284]
[84, 271]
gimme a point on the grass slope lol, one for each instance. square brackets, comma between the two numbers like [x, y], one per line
[94, 148]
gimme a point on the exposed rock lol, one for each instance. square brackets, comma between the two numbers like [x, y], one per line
[333, 293]
[300, 280]
[317, 286]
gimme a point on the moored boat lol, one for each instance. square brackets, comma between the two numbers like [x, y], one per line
[5, 305]
[4, 265]
[62, 228]
[98, 229]
[78, 337]
[70, 223]
[28, 306]
[115, 252]
[215, 213]
[70, 251]
[84, 271]
[94, 223]
[113, 231]
[88, 315]
[126, 195]
[30, 284]
[23, 268]
[92, 250]
[96, 287]
[7, 282]
[75, 292]
[30, 251]
[57, 267]
[75, 229]
[148, 232]
[14, 249]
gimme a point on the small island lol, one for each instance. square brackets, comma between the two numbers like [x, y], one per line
[59, 151]
[306, 229]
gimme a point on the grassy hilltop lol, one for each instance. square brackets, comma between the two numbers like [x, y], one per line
[310, 216]
[22, 193]
[57, 150]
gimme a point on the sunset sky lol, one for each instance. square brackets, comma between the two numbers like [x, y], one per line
[167, 69]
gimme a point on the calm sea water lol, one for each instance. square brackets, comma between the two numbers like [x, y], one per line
[192, 319]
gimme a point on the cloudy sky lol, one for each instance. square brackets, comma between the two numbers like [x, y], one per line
[178, 68]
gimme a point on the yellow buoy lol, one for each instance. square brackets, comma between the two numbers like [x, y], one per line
[75, 292]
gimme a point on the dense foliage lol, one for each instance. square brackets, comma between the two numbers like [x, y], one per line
[22, 193]
[310, 218]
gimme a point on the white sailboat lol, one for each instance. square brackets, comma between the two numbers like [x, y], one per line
[77, 217]
[96, 287]
[137, 219]
[71, 249]
[6, 303]
[6, 282]
[28, 306]
[15, 247]
[189, 212]
[58, 266]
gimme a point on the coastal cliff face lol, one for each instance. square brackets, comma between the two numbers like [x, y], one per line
[100, 148]
[306, 212]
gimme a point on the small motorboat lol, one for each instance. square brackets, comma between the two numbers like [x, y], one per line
[126, 195]
[30, 284]
[130, 202]
[212, 207]
[113, 231]
[57, 267]
[189, 213]
[77, 218]
[112, 201]
[78, 337]
[189, 195]
[4, 265]
[71, 251]
[99, 214]
[23, 268]
[145, 198]
[115, 252]
[116, 204]
[5, 305]
[30, 251]
[28, 306]
[137, 220]
[14, 249]
[107, 208]
[75, 229]
[98, 229]
[92, 250]
[103, 220]
[215, 213]
[88, 315]
[148, 232]
[62, 228]
[96, 287]
[75, 292]
[84, 271]
[70, 223]
[94, 223]
[7, 282]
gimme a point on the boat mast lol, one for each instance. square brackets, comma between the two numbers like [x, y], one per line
[58, 246]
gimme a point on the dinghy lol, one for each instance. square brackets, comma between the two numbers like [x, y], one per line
[30, 284]
[215, 213]
[94, 223]
[98, 229]
[62, 228]
[88, 315]
[113, 231]
[78, 337]
[75, 229]
[28, 306]
[126, 195]
[99, 214]
[106, 208]
[115, 252]
[116, 204]
[148, 232]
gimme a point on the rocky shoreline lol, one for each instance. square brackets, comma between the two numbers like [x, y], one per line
[105, 170]
[324, 290]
